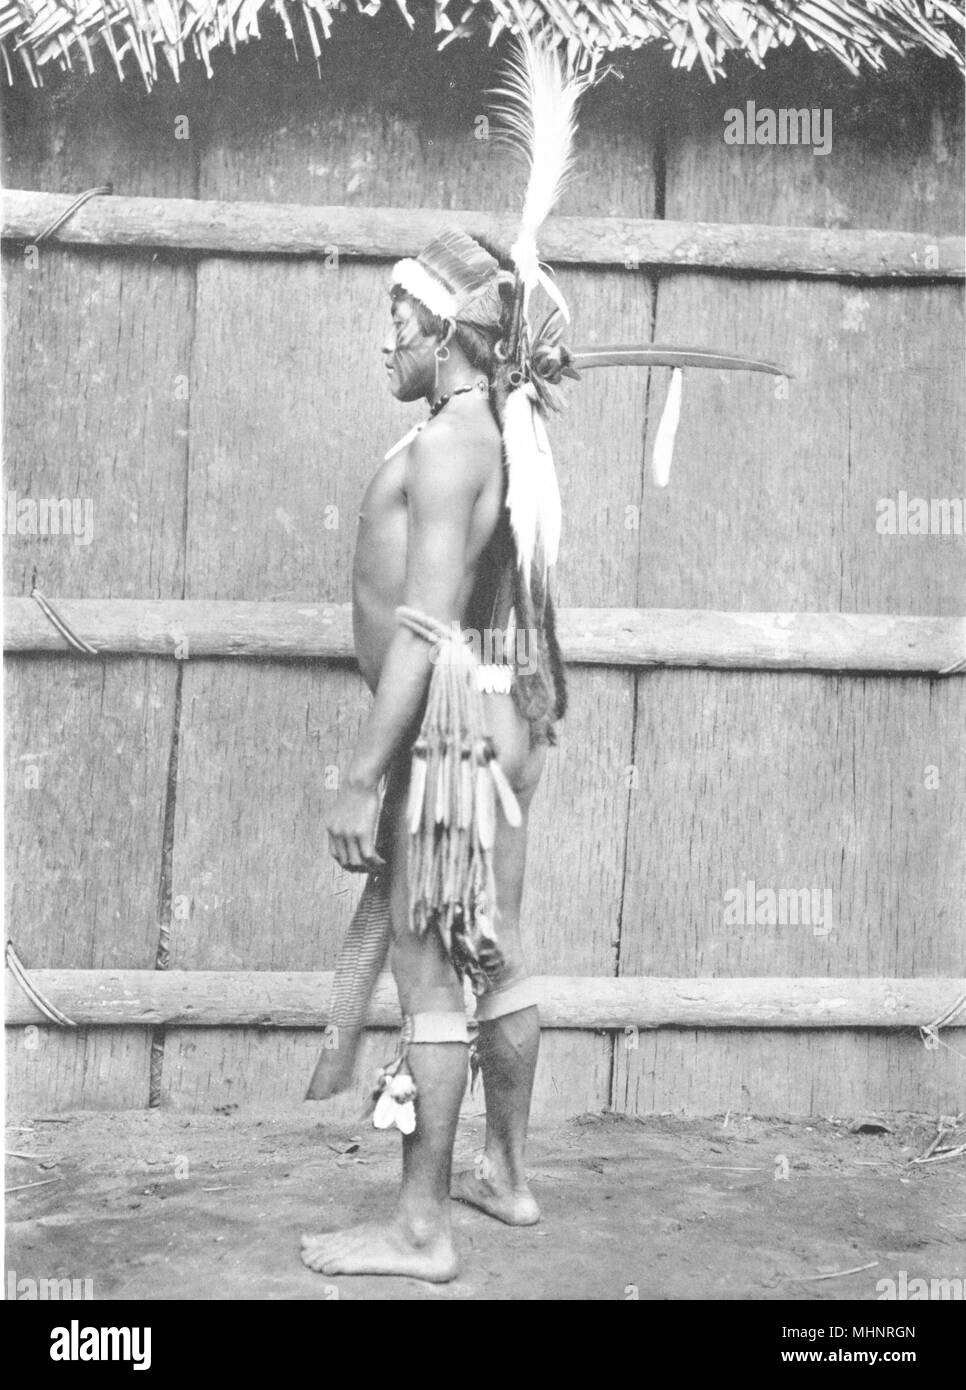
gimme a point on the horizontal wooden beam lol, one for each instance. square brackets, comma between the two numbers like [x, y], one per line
[184, 628]
[277, 999]
[290, 229]
[761, 641]
[589, 636]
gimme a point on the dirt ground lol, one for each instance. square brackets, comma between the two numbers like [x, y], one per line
[163, 1205]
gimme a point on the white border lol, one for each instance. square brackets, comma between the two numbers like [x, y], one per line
[416, 280]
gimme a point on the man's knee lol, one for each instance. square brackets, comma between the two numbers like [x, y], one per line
[511, 973]
[513, 964]
[424, 974]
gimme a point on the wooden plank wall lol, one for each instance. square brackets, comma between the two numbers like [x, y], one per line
[94, 343]
[805, 780]
[253, 408]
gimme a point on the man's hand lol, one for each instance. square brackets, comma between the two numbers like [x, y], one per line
[352, 829]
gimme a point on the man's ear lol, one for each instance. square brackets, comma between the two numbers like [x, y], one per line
[449, 328]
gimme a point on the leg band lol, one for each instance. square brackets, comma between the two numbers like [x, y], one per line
[435, 1028]
[498, 1002]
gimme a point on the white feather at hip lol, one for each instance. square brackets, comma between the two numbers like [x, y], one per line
[533, 493]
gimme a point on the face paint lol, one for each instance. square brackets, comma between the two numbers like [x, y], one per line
[408, 355]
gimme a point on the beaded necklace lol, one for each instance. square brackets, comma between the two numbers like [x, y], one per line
[480, 385]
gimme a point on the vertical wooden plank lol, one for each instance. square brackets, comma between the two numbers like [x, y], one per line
[88, 739]
[87, 764]
[576, 865]
[800, 781]
[782, 515]
[907, 432]
[788, 1074]
[98, 353]
[97, 363]
[290, 416]
[273, 496]
[255, 886]
[877, 402]
[796, 781]
[252, 1069]
[50, 1069]
[896, 156]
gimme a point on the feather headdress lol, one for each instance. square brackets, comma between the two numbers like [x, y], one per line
[538, 118]
[448, 274]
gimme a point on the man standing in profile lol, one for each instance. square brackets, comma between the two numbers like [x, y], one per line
[435, 536]
[459, 531]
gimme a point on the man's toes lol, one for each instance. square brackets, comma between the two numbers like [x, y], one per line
[330, 1250]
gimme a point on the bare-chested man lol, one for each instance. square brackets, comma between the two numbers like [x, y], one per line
[428, 534]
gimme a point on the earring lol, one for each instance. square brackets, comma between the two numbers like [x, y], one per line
[442, 355]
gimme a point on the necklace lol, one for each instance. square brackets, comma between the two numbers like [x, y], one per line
[480, 385]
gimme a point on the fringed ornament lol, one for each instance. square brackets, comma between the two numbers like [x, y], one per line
[455, 784]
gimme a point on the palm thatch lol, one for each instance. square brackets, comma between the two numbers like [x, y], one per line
[37, 33]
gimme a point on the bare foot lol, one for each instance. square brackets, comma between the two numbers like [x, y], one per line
[381, 1248]
[516, 1206]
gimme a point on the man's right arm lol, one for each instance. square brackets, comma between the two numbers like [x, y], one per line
[442, 486]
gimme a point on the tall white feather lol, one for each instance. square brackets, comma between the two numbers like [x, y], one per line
[533, 494]
[539, 118]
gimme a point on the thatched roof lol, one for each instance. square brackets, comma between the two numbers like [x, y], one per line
[143, 34]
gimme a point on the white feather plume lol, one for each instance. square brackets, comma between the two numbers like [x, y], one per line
[539, 119]
[533, 494]
[666, 430]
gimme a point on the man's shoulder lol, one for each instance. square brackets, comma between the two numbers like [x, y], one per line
[468, 446]
[463, 432]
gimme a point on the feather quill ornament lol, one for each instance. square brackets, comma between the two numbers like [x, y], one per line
[539, 119]
[538, 116]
